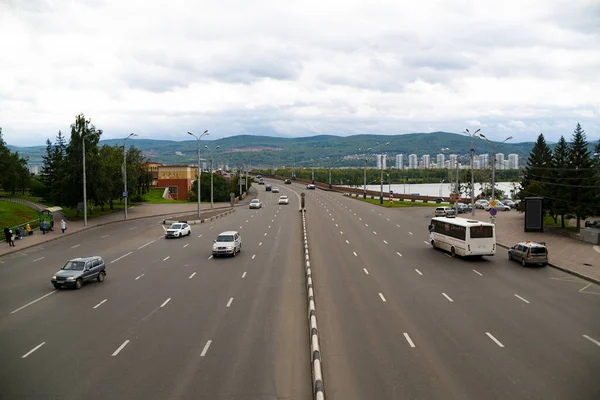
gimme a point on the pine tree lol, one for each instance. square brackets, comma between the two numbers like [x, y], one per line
[580, 176]
[537, 172]
[560, 192]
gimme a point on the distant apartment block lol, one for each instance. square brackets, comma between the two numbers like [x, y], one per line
[441, 159]
[426, 160]
[513, 161]
[413, 161]
[484, 161]
[399, 161]
[500, 161]
[34, 169]
[381, 161]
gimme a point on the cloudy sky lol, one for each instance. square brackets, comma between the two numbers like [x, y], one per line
[299, 68]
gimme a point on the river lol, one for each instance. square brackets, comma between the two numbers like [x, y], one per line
[438, 189]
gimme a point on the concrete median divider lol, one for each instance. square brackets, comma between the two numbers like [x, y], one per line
[315, 349]
[199, 221]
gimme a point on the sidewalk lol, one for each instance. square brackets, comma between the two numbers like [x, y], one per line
[570, 255]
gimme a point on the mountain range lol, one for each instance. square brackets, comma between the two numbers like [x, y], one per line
[305, 151]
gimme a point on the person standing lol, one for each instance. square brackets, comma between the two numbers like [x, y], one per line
[63, 225]
[44, 226]
[11, 241]
[6, 230]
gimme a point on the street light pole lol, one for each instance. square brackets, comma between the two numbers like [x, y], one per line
[457, 190]
[471, 135]
[205, 133]
[381, 178]
[84, 182]
[481, 135]
[211, 173]
[125, 194]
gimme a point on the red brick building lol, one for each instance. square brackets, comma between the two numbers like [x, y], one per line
[178, 179]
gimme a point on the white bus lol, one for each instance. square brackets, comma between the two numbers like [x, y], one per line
[462, 236]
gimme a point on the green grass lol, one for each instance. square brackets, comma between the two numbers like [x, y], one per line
[13, 214]
[400, 204]
[549, 221]
[155, 197]
[71, 212]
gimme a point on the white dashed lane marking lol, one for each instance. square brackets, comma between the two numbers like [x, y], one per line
[419, 272]
[382, 298]
[494, 339]
[478, 273]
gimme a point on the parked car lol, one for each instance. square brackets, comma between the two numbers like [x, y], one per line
[288, 181]
[509, 203]
[529, 252]
[268, 188]
[79, 270]
[255, 203]
[275, 189]
[178, 229]
[310, 186]
[227, 243]
[481, 204]
[464, 208]
[499, 206]
[284, 200]
[444, 211]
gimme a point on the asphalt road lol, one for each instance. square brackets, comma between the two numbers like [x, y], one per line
[400, 320]
[169, 321]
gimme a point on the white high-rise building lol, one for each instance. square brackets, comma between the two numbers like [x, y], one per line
[426, 160]
[413, 161]
[453, 160]
[476, 163]
[441, 158]
[484, 161]
[399, 161]
[513, 161]
[500, 161]
[381, 159]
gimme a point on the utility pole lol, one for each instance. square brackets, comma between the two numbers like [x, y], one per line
[471, 135]
[125, 193]
[381, 179]
[457, 189]
[84, 182]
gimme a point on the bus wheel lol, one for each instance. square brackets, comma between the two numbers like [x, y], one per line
[453, 252]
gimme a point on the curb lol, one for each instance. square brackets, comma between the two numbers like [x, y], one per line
[200, 221]
[88, 228]
[315, 349]
[568, 271]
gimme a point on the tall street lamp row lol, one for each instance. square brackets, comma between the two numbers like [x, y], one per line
[125, 193]
[211, 174]
[205, 133]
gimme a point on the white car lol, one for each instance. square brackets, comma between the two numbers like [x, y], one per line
[255, 204]
[481, 204]
[499, 206]
[284, 200]
[227, 243]
[275, 189]
[178, 229]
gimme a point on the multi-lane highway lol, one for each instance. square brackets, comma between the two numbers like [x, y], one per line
[397, 319]
[169, 321]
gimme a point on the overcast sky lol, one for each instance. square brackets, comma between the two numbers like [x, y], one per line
[299, 68]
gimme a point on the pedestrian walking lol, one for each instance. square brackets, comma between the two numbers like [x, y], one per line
[6, 230]
[11, 241]
[44, 226]
[63, 225]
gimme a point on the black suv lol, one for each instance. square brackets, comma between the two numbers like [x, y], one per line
[268, 188]
[78, 270]
[288, 181]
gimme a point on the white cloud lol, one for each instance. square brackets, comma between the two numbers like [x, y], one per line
[299, 68]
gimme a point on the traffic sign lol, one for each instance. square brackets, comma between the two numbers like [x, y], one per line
[124, 194]
[493, 211]
[493, 203]
[391, 192]
[454, 196]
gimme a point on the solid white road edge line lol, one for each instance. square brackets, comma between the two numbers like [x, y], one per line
[121, 347]
[494, 339]
[382, 298]
[592, 340]
[205, 349]
[448, 297]
[99, 304]
[192, 275]
[229, 302]
[141, 247]
[33, 302]
[408, 339]
[165, 302]
[123, 256]
[105, 236]
[32, 350]
[418, 272]
[520, 298]
[38, 259]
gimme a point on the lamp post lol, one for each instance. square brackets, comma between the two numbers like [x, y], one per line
[205, 133]
[494, 146]
[211, 172]
[381, 178]
[84, 182]
[472, 151]
[365, 170]
[125, 194]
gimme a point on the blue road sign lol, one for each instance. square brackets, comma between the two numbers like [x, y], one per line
[493, 211]
[124, 194]
[391, 192]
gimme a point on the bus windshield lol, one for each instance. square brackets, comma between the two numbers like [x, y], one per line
[481, 232]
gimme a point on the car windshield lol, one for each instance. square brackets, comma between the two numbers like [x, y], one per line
[283, 198]
[255, 201]
[225, 238]
[74, 266]
[176, 226]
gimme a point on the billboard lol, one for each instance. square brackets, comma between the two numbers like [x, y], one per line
[534, 214]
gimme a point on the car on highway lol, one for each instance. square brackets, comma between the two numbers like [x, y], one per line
[444, 211]
[288, 181]
[261, 181]
[227, 243]
[255, 203]
[275, 189]
[268, 188]
[178, 229]
[284, 200]
[529, 252]
[499, 206]
[79, 270]
[310, 186]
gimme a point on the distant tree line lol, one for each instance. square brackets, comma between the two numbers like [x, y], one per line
[14, 175]
[568, 178]
[61, 179]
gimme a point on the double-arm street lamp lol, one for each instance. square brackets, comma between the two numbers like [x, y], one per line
[211, 172]
[125, 193]
[205, 133]
[494, 147]
[472, 151]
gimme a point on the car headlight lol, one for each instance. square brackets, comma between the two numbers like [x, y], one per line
[71, 278]
[229, 247]
[54, 277]
[215, 246]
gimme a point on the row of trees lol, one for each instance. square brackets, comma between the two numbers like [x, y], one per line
[568, 177]
[14, 175]
[62, 173]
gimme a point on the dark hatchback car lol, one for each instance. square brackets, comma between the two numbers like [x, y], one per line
[288, 181]
[268, 188]
[78, 270]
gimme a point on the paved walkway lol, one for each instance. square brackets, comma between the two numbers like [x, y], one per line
[571, 255]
